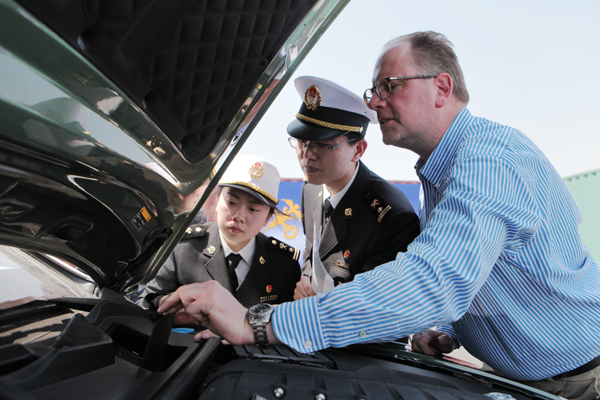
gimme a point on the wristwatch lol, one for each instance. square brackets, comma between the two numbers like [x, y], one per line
[258, 316]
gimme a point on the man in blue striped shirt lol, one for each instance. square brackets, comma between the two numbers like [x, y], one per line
[499, 265]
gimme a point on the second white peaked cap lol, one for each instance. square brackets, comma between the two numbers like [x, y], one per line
[254, 175]
[328, 110]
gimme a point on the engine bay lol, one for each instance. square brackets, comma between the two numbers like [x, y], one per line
[111, 348]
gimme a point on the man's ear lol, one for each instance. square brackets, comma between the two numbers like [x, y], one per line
[444, 85]
[359, 149]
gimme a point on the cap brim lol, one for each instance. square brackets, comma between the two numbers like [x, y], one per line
[252, 192]
[307, 131]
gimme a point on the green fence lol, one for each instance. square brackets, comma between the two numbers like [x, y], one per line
[585, 188]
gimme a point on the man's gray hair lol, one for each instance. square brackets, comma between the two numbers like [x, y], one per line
[433, 53]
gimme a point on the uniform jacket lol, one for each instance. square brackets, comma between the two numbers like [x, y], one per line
[373, 222]
[199, 257]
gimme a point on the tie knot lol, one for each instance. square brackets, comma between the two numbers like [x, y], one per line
[234, 259]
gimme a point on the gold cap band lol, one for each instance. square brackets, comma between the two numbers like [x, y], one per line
[329, 125]
[253, 187]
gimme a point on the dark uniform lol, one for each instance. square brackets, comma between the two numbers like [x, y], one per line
[372, 223]
[199, 257]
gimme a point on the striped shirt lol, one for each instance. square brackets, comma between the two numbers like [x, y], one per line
[499, 265]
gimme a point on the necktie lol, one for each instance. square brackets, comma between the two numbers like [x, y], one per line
[232, 262]
[328, 208]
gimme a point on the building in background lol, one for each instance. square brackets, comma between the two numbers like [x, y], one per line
[585, 188]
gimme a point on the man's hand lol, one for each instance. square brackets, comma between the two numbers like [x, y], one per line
[212, 306]
[432, 343]
[303, 288]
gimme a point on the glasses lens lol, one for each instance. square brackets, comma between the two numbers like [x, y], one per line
[383, 88]
[294, 143]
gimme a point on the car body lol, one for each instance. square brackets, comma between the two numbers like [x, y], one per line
[116, 120]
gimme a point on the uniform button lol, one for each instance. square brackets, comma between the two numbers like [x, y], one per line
[363, 333]
[308, 344]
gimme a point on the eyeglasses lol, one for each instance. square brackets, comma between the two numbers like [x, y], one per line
[317, 148]
[383, 88]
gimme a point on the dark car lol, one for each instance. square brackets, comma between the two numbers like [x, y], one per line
[117, 117]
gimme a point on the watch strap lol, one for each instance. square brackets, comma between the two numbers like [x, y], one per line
[260, 335]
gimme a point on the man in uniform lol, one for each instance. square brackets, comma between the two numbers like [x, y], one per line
[365, 220]
[232, 251]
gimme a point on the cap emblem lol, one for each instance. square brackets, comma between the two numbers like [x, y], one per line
[312, 98]
[257, 170]
[347, 254]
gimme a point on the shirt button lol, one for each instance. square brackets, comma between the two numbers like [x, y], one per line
[437, 185]
[308, 344]
[363, 333]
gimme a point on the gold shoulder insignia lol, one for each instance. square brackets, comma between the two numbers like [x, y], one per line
[377, 205]
[283, 248]
[194, 231]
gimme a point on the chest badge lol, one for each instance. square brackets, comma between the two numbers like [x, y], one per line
[346, 254]
[211, 249]
[269, 288]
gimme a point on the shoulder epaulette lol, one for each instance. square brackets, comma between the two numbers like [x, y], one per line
[194, 231]
[377, 205]
[284, 248]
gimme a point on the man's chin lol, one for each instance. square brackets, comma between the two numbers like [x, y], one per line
[313, 179]
[391, 139]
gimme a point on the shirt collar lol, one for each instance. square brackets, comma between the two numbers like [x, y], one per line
[336, 198]
[247, 252]
[435, 168]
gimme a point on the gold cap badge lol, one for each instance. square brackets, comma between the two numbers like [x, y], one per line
[312, 98]
[257, 170]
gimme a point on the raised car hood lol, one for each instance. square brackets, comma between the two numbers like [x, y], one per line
[116, 116]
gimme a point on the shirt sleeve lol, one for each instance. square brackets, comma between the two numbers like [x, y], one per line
[485, 211]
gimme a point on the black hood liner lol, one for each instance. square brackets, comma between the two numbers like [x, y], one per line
[189, 64]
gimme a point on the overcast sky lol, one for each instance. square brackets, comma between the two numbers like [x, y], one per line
[532, 65]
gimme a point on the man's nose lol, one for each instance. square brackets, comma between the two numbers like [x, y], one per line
[375, 102]
[239, 214]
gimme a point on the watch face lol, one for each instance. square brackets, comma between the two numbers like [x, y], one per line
[260, 308]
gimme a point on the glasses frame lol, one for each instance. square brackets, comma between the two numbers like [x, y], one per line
[320, 146]
[375, 89]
